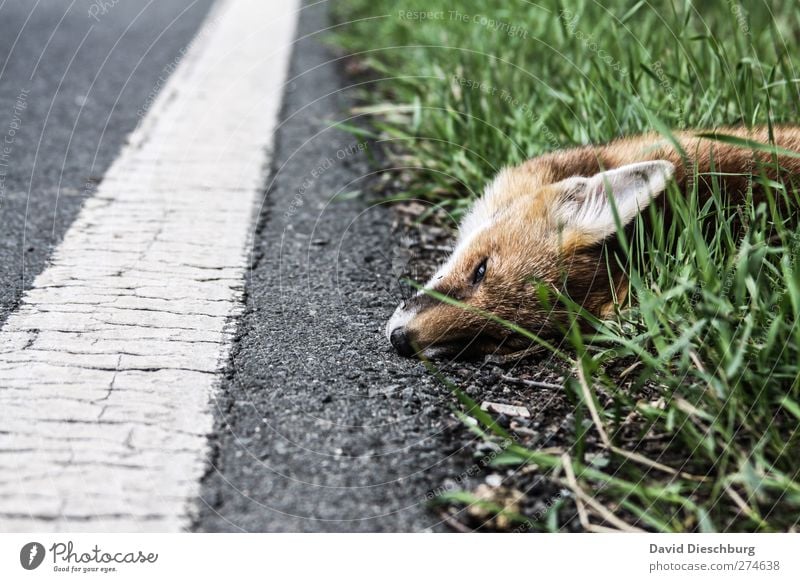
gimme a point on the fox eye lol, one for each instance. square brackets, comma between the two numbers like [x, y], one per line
[480, 272]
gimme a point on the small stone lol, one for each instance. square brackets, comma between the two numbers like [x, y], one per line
[506, 409]
[494, 480]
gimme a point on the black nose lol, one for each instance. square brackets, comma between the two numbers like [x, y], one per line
[401, 343]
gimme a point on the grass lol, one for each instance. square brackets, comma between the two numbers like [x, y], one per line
[710, 341]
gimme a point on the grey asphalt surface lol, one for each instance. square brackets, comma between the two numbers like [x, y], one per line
[72, 87]
[320, 426]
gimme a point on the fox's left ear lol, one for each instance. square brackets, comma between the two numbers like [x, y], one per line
[585, 204]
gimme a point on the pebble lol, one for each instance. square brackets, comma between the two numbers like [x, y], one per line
[494, 480]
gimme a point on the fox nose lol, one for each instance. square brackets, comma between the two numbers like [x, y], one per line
[401, 343]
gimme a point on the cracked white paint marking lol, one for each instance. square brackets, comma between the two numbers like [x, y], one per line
[108, 366]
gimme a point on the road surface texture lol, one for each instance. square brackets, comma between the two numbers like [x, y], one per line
[83, 83]
[320, 426]
[112, 356]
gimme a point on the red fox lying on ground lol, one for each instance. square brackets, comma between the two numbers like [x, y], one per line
[548, 220]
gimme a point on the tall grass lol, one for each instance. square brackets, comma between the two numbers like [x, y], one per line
[710, 342]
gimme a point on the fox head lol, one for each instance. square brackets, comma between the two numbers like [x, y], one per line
[520, 238]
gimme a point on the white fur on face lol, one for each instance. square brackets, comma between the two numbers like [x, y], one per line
[483, 211]
[399, 319]
[478, 219]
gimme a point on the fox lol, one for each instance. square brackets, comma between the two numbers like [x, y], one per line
[549, 220]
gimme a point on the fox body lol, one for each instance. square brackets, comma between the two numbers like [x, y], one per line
[548, 220]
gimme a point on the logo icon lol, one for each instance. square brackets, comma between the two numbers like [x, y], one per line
[31, 555]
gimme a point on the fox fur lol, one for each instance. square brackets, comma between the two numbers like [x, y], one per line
[549, 220]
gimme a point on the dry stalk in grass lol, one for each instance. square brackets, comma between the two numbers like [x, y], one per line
[453, 522]
[606, 442]
[581, 498]
[513, 357]
[742, 505]
[532, 383]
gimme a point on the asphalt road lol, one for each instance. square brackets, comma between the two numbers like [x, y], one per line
[320, 426]
[74, 80]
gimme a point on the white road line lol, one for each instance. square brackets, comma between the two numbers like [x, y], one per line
[108, 366]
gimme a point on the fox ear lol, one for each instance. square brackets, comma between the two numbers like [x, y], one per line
[587, 204]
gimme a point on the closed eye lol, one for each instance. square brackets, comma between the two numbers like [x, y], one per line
[480, 272]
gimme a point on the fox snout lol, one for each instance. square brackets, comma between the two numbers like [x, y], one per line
[424, 326]
[396, 332]
[400, 341]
